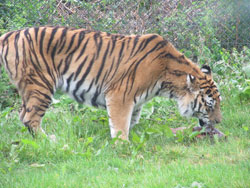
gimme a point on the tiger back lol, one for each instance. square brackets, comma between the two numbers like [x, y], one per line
[111, 71]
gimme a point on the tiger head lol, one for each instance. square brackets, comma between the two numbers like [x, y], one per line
[201, 99]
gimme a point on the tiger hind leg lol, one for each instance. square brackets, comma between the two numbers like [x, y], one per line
[35, 103]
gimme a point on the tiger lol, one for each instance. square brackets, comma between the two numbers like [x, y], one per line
[115, 72]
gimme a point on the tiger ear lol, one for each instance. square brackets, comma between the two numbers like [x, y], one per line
[206, 69]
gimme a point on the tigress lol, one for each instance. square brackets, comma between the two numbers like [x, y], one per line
[112, 71]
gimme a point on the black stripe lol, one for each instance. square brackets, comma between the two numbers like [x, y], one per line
[102, 65]
[203, 78]
[81, 96]
[199, 107]
[82, 50]
[24, 54]
[111, 67]
[98, 45]
[145, 42]
[103, 79]
[81, 37]
[93, 100]
[129, 39]
[71, 43]
[122, 78]
[203, 83]
[83, 93]
[134, 44]
[63, 35]
[154, 86]
[62, 40]
[36, 32]
[113, 38]
[43, 57]
[128, 79]
[119, 60]
[121, 51]
[80, 68]
[90, 86]
[204, 87]
[68, 61]
[62, 47]
[34, 81]
[53, 53]
[147, 93]
[195, 103]
[177, 73]
[134, 95]
[5, 57]
[149, 40]
[45, 95]
[208, 91]
[51, 38]
[139, 48]
[17, 54]
[59, 66]
[80, 82]
[7, 36]
[168, 55]
[171, 94]
[68, 82]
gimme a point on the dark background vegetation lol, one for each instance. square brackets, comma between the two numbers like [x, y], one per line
[214, 32]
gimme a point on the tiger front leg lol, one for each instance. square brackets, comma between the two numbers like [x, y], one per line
[119, 113]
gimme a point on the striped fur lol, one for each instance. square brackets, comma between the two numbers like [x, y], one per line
[115, 72]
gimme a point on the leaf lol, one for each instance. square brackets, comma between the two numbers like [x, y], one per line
[246, 69]
[168, 132]
[194, 134]
[246, 90]
[245, 128]
[148, 110]
[152, 131]
[135, 137]
[30, 142]
[245, 93]
[6, 112]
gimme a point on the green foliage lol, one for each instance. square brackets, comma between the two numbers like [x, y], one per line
[8, 92]
[245, 93]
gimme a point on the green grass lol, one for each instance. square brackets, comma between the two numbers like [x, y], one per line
[84, 155]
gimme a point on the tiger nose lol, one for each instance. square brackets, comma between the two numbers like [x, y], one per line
[217, 120]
